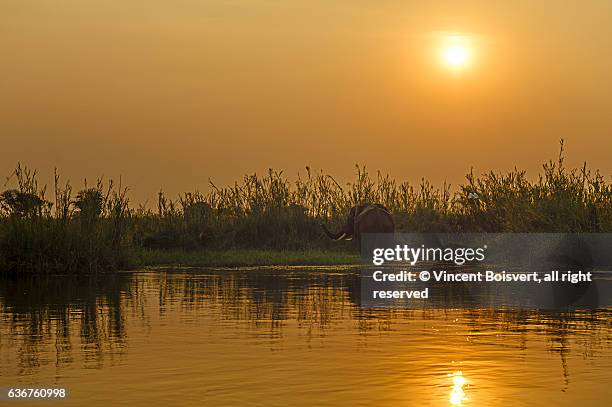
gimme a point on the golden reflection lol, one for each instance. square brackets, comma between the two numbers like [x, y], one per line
[457, 395]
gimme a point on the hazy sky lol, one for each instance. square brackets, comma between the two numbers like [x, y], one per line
[171, 93]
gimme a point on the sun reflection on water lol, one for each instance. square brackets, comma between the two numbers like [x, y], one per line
[457, 395]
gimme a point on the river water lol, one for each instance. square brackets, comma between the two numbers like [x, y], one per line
[288, 337]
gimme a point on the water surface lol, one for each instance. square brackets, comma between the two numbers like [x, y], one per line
[279, 337]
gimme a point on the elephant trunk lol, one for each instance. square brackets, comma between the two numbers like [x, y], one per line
[334, 236]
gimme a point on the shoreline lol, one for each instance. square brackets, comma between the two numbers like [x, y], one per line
[243, 258]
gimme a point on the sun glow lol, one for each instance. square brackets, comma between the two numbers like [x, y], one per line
[455, 55]
[456, 52]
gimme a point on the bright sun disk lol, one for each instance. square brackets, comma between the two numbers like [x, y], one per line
[456, 55]
[456, 52]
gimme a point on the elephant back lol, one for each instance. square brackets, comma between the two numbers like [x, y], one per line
[374, 219]
[370, 210]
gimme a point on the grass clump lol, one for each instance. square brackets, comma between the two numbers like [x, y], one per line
[87, 233]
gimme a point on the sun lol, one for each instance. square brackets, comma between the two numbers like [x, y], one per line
[456, 52]
[455, 55]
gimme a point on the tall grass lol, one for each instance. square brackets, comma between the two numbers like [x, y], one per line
[95, 228]
[86, 232]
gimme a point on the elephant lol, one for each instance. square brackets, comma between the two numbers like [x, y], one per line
[365, 218]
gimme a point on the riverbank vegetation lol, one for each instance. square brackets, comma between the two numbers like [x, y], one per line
[245, 257]
[98, 228]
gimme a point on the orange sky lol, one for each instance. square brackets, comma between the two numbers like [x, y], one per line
[171, 93]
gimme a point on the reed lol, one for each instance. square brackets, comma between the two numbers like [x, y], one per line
[87, 232]
[97, 229]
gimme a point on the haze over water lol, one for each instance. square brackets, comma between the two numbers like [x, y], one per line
[288, 337]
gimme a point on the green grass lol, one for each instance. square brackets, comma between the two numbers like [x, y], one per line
[244, 257]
